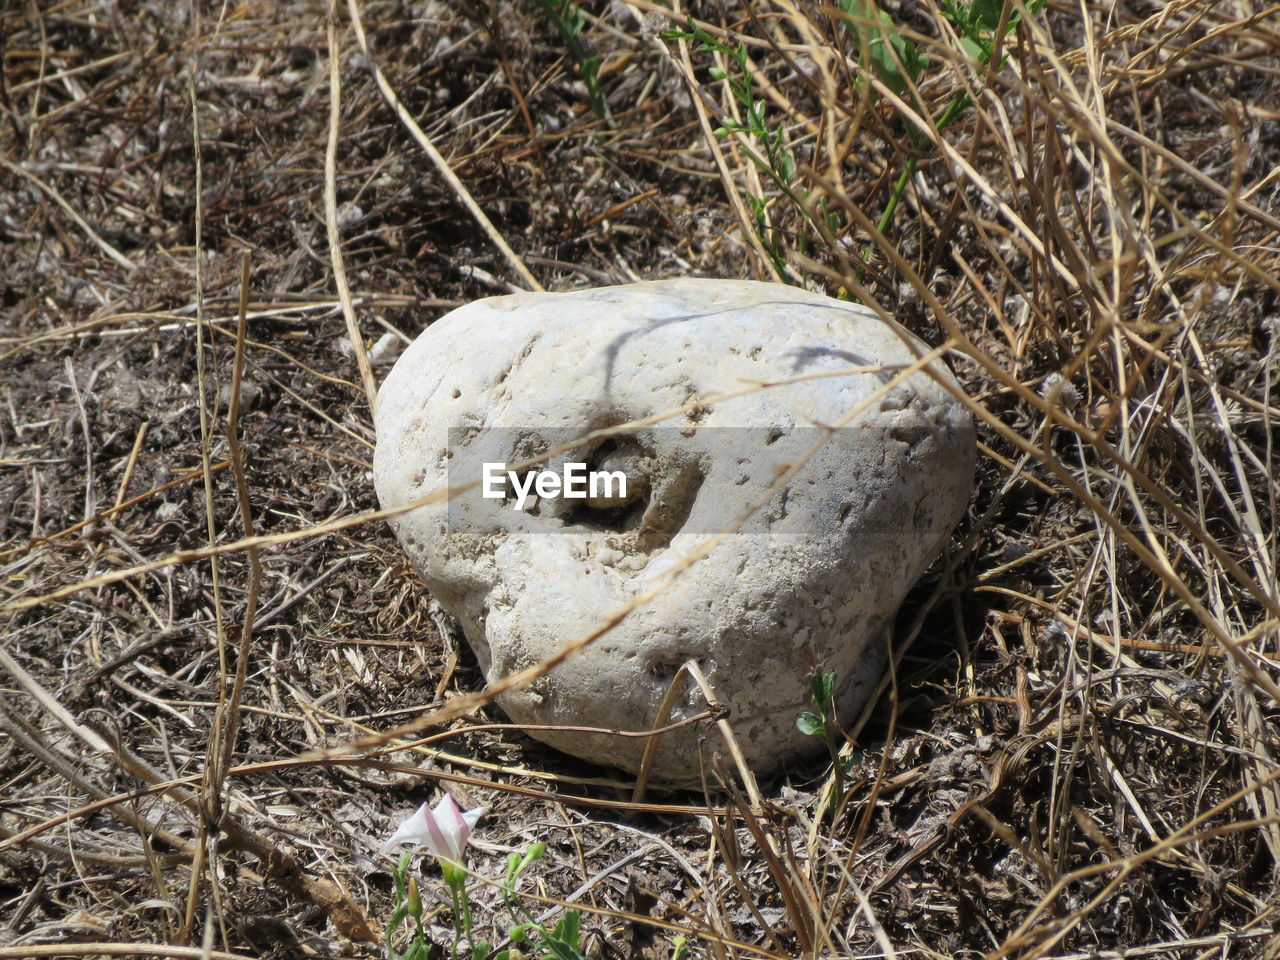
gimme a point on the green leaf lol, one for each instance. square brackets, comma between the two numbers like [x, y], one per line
[986, 13]
[564, 952]
[828, 686]
[566, 931]
[398, 873]
[822, 688]
[957, 14]
[397, 918]
[786, 166]
[977, 52]
[810, 725]
[892, 57]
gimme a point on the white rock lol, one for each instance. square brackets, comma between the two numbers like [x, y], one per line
[385, 349]
[812, 579]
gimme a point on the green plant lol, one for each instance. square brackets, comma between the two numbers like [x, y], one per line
[442, 832]
[571, 24]
[408, 907]
[822, 722]
[775, 159]
[897, 62]
[528, 936]
[561, 942]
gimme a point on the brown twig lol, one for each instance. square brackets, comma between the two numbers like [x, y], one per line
[331, 215]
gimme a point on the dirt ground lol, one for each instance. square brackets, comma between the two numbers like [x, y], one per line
[1078, 757]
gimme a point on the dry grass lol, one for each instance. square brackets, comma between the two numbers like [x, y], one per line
[208, 644]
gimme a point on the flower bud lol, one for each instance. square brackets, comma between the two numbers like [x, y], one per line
[413, 900]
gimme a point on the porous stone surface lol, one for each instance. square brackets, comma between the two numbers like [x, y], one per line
[782, 399]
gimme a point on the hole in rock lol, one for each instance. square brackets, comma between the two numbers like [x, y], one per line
[658, 499]
[528, 445]
[664, 665]
[672, 503]
[611, 508]
[911, 436]
[663, 670]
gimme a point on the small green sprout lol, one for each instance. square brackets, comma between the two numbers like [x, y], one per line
[774, 159]
[822, 722]
[895, 60]
[571, 25]
[561, 942]
[888, 55]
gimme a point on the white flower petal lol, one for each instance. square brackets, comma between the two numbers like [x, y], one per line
[413, 830]
[442, 832]
[451, 829]
[473, 816]
[439, 841]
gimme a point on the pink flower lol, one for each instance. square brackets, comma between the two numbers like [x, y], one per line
[442, 831]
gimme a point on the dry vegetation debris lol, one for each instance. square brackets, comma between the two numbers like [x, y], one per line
[1078, 757]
